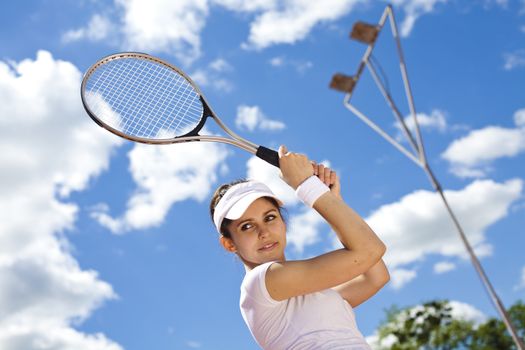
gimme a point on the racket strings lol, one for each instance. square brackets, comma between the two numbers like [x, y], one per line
[156, 102]
[151, 123]
[183, 104]
[186, 91]
[143, 98]
[148, 122]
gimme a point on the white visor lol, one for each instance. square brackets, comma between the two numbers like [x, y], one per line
[238, 198]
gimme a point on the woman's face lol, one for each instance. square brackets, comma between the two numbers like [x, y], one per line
[259, 235]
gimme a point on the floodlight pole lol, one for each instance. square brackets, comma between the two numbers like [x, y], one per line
[367, 34]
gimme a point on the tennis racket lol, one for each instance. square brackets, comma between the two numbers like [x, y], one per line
[145, 99]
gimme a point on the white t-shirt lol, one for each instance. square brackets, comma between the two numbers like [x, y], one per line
[321, 320]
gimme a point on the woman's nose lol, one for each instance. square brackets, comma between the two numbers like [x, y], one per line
[263, 231]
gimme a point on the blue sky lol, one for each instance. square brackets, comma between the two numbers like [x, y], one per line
[105, 244]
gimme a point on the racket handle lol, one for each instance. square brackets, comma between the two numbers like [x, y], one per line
[268, 155]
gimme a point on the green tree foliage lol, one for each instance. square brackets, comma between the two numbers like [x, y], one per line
[432, 326]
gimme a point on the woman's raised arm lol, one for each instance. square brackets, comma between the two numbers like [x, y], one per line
[362, 248]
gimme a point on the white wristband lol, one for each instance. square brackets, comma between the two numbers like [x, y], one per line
[310, 190]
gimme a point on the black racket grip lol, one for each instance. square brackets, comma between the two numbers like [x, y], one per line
[268, 155]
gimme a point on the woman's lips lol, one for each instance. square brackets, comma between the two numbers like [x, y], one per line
[268, 246]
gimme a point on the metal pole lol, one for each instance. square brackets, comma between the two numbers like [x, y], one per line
[422, 161]
[477, 265]
[404, 73]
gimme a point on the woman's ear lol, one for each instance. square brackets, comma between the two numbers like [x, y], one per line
[228, 244]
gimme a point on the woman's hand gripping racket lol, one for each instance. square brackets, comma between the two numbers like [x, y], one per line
[144, 99]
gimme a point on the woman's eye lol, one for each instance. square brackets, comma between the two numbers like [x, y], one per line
[246, 227]
[271, 217]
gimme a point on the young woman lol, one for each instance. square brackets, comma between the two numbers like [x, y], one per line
[302, 304]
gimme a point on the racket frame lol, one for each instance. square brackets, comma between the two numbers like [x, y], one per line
[191, 136]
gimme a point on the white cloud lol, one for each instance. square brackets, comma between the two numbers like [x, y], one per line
[277, 61]
[247, 5]
[400, 277]
[383, 344]
[513, 60]
[466, 312]
[175, 27]
[303, 229]
[252, 118]
[413, 10]
[418, 224]
[293, 20]
[164, 26]
[220, 65]
[464, 172]
[213, 75]
[435, 120]
[299, 65]
[154, 26]
[49, 149]
[165, 175]
[444, 266]
[98, 28]
[204, 78]
[471, 155]
[51, 336]
[519, 118]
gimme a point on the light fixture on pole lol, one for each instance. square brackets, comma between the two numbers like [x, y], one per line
[368, 34]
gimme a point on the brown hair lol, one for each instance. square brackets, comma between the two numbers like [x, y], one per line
[219, 193]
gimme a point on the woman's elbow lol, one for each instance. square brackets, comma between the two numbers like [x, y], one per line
[382, 248]
[378, 250]
[386, 277]
[381, 279]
